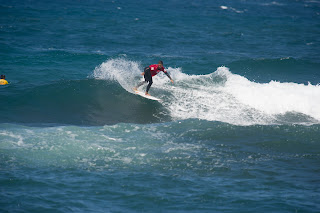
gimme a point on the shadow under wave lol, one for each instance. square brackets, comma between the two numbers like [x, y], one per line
[81, 102]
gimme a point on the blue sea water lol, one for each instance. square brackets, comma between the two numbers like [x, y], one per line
[238, 131]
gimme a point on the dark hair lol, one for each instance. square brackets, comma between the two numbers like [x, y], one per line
[3, 76]
[160, 62]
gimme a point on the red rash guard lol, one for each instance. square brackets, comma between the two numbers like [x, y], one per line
[154, 69]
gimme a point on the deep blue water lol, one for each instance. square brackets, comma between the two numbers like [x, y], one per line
[238, 131]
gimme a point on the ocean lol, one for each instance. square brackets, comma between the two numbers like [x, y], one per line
[237, 131]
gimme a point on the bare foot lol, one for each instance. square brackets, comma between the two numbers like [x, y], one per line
[148, 94]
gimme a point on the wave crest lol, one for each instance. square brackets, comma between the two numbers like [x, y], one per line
[222, 95]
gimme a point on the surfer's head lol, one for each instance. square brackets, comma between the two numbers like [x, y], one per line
[3, 77]
[160, 64]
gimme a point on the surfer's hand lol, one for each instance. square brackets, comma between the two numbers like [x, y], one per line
[171, 80]
[142, 73]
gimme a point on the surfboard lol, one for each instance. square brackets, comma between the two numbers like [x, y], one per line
[146, 96]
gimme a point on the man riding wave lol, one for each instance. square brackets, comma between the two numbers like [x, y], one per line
[149, 72]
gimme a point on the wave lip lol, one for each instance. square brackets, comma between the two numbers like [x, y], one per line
[123, 71]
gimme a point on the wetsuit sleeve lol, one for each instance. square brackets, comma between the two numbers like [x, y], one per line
[167, 74]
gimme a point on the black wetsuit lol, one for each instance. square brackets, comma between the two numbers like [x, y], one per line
[148, 77]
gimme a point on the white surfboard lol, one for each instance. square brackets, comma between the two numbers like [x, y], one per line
[146, 96]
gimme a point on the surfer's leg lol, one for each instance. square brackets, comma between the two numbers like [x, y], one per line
[149, 85]
[146, 78]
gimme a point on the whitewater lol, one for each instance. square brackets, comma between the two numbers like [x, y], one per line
[221, 95]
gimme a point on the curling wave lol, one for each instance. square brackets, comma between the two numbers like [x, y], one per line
[222, 95]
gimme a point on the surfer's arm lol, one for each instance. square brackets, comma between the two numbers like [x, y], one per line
[167, 74]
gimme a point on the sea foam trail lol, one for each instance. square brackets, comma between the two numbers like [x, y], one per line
[222, 95]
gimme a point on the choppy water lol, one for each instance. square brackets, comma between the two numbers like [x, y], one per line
[238, 131]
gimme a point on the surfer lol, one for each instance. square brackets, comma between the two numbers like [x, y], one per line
[3, 80]
[150, 71]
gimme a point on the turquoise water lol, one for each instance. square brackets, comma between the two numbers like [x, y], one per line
[238, 131]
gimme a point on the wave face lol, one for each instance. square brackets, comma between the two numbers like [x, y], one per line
[80, 102]
[222, 95]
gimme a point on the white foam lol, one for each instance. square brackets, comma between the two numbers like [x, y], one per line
[274, 97]
[126, 160]
[231, 8]
[17, 139]
[273, 3]
[123, 71]
[237, 100]
[204, 97]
